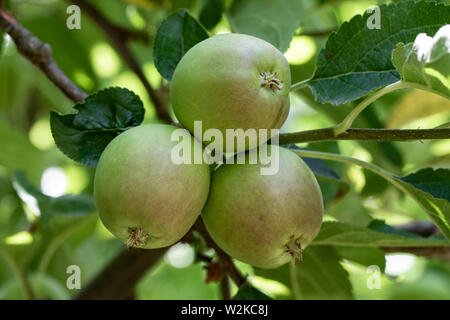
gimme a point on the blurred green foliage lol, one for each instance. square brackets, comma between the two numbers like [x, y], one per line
[35, 256]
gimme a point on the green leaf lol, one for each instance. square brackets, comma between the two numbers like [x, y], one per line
[320, 276]
[434, 182]
[375, 235]
[431, 189]
[426, 62]
[357, 60]
[68, 49]
[272, 20]
[247, 292]
[211, 13]
[17, 152]
[185, 284]
[176, 35]
[100, 118]
[327, 177]
[367, 256]
[51, 288]
[69, 206]
[322, 170]
[437, 209]
[350, 209]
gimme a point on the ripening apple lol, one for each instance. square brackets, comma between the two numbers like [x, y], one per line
[264, 220]
[232, 81]
[142, 196]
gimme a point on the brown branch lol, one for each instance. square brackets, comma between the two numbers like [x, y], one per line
[439, 253]
[327, 134]
[119, 39]
[419, 227]
[424, 229]
[115, 30]
[316, 33]
[225, 288]
[119, 278]
[39, 53]
[225, 261]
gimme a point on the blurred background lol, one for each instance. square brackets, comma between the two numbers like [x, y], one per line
[34, 256]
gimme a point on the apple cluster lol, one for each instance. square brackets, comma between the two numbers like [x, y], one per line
[229, 81]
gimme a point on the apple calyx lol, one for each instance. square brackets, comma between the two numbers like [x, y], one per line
[294, 248]
[269, 80]
[138, 238]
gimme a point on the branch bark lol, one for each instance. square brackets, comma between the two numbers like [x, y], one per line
[224, 259]
[419, 227]
[439, 253]
[38, 53]
[119, 278]
[424, 229]
[119, 39]
[316, 33]
[225, 288]
[327, 134]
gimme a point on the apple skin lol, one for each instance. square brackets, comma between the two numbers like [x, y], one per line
[254, 217]
[219, 82]
[138, 187]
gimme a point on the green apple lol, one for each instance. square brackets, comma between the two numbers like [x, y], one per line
[232, 81]
[264, 220]
[142, 196]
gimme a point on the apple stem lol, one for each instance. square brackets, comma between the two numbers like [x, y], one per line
[138, 238]
[270, 80]
[293, 261]
[296, 251]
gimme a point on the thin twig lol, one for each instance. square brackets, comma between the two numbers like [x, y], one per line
[118, 279]
[40, 54]
[439, 253]
[348, 120]
[17, 271]
[316, 33]
[119, 38]
[424, 229]
[118, 31]
[382, 173]
[224, 259]
[328, 134]
[225, 288]
[419, 227]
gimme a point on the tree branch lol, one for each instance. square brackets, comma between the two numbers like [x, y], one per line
[119, 39]
[316, 33]
[119, 278]
[348, 120]
[225, 261]
[39, 53]
[327, 134]
[439, 253]
[225, 288]
[424, 229]
[419, 227]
